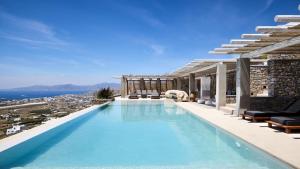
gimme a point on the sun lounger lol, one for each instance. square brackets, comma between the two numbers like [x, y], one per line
[155, 95]
[133, 96]
[291, 110]
[288, 123]
[144, 94]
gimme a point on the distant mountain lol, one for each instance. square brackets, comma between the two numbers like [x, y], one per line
[68, 87]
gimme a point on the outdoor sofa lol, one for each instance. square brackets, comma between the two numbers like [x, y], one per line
[292, 109]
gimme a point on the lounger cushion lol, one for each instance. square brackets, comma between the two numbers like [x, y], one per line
[262, 113]
[288, 121]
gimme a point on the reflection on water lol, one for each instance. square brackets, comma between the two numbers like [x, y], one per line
[150, 111]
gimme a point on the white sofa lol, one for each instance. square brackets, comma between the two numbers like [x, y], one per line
[177, 94]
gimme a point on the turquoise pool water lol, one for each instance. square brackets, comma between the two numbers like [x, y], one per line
[137, 134]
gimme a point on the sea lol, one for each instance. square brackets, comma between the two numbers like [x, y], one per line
[19, 95]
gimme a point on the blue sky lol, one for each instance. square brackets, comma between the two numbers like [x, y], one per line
[90, 41]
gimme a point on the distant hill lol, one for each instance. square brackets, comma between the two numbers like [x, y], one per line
[68, 87]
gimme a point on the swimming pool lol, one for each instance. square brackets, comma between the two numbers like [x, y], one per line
[137, 134]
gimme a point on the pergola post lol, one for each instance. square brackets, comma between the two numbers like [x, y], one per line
[158, 86]
[242, 84]
[221, 85]
[123, 87]
[191, 83]
[142, 84]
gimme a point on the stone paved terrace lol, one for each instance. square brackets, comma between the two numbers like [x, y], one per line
[279, 144]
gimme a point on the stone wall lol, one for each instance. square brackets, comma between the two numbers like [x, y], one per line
[283, 83]
[258, 79]
[284, 77]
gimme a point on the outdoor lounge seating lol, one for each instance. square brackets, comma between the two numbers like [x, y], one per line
[290, 110]
[288, 123]
[133, 96]
[179, 95]
[155, 95]
[144, 94]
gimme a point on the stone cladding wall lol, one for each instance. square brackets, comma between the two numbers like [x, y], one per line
[258, 79]
[284, 77]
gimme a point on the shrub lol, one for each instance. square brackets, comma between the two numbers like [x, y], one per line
[104, 93]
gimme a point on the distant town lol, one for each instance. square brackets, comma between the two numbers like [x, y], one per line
[19, 115]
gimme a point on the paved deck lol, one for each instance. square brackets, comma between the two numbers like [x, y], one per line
[279, 144]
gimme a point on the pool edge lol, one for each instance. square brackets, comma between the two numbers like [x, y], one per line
[23, 136]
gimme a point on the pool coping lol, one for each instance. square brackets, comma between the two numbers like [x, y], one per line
[289, 154]
[25, 135]
[258, 134]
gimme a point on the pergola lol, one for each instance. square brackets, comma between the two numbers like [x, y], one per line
[141, 79]
[198, 69]
[279, 39]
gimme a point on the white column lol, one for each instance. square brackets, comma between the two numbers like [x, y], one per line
[242, 85]
[205, 87]
[123, 87]
[221, 85]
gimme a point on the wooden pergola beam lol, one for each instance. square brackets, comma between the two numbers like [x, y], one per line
[233, 45]
[242, 41]
[287, 18]
[281, 28]
[255, 36]
[217, 53]
[273, 47]
[224, 49]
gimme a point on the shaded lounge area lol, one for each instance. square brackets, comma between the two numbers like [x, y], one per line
[280, 45]
[146, 86]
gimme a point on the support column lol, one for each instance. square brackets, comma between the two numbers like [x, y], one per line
[179, 83]
[242, 85]
[142, 84]
[205, 88]
[191, 83]
[221, 85]
[123, 87]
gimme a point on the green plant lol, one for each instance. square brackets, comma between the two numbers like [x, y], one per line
[104, 93]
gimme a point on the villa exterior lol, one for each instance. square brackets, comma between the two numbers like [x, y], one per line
[249, 81]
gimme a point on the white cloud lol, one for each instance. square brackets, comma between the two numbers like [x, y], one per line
[29, 32]
[266, 7]
[139, 13]
[157, 49]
